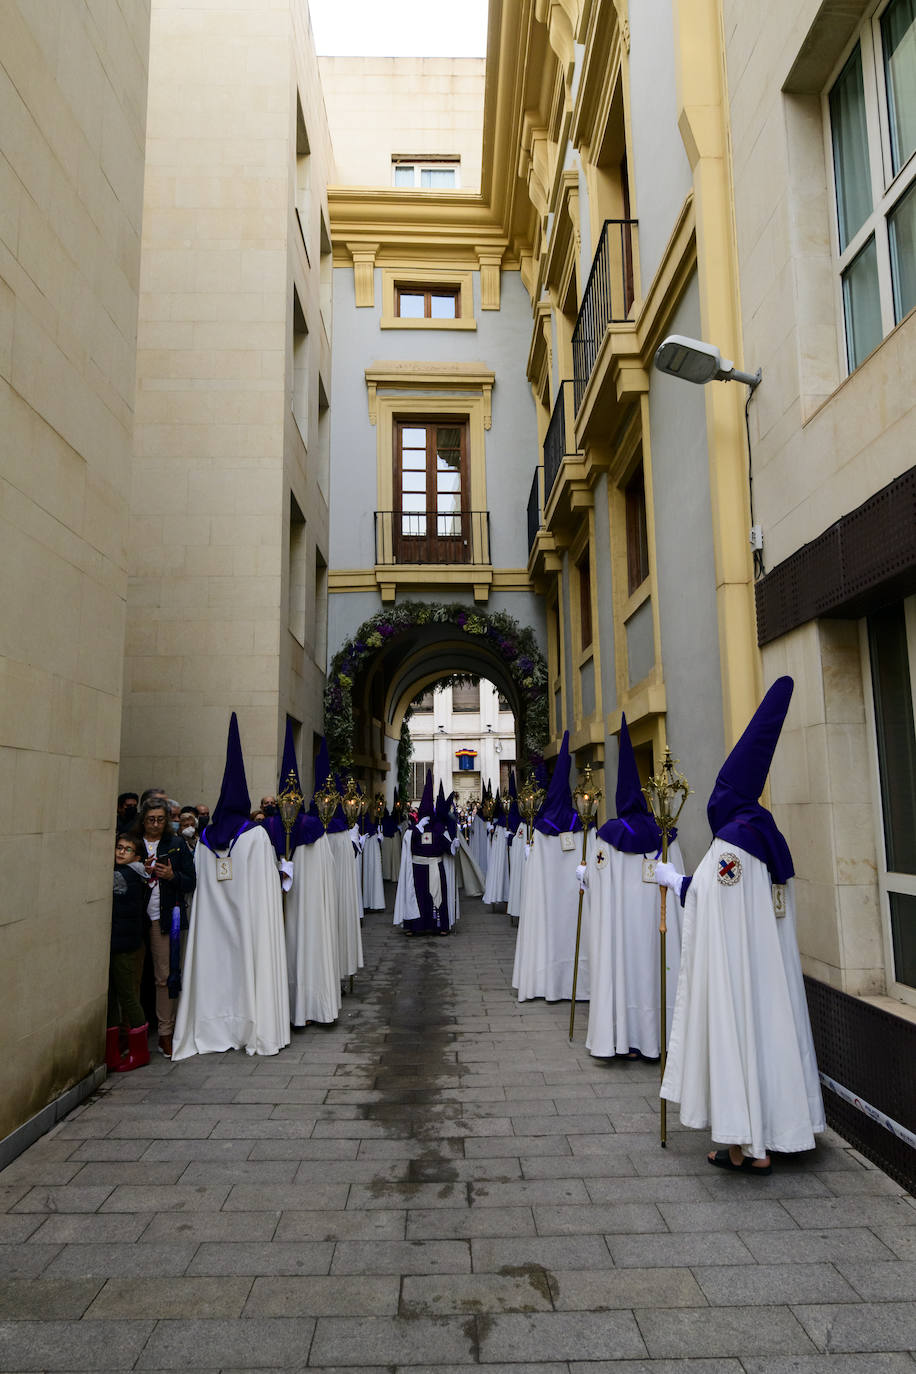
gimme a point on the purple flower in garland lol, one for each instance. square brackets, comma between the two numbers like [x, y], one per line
[525, 665]
[386, 630]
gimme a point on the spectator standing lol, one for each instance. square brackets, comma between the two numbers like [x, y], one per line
[128, 912]
[187, 826]
[127, 811]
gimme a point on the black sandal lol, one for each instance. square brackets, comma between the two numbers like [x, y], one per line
[723, 1160]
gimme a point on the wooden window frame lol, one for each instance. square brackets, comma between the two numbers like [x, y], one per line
[411, 544]
[584, 582]
[446, 291]
[637, 529]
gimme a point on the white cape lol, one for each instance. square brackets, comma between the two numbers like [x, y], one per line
[546, 942]
[373, 888]
[497, 888]
[517, 866]
[741, 1055]
[349, 903]
[235, 994]
[467, 871]
[391, 857]
[477, 843]
[623, 953]
[311, 936]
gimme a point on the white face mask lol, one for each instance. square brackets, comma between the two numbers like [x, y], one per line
[188, 831]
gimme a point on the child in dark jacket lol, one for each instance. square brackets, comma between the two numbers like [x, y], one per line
[130, 893]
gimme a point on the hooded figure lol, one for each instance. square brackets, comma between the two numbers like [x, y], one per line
[391, 846]
[373, 888]
[477, 841]
[741, 1055]
[497, 885]
[426, 900]
[235, 984]
[621, 900]
[346, 869]
[545, 948]
[312, 959]
[517, 831]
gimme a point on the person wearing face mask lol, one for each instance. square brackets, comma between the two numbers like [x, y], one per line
[127, 811]
[187, 826]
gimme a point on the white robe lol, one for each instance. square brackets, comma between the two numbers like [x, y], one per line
[349, 903]
[312, 957]
[391, 857]
[467, 870]
[741, 1055]
[373, 888]
[623, 953]
[477, 843]
[497, 887]
[235, 993]
[517, 865]
[545, 946]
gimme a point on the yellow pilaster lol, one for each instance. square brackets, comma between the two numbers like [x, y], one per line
[703, 122]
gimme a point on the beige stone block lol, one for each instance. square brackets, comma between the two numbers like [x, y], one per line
[187, 595]
[854, 843]
[804, 666]
[154, 495]
[244, 593]
[91, 792]
[33, 576]
[232, 636]
[820, 781]
[816, 906]
[849, 762]
[789, 772]
[861, 928]
[25, 699]
[154, 674]
[240, 529]
[101, 637]
[842, 671]
[20, 863]
[809, 831]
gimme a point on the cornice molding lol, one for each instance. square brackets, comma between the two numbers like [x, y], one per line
[425, 376]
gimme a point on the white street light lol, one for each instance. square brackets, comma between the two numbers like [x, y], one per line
[698, 362]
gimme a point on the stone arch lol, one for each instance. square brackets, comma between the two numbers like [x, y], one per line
[375, 674]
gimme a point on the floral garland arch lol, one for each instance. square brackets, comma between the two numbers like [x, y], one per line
[515, 645]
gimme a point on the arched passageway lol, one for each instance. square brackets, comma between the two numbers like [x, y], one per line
[399, 653]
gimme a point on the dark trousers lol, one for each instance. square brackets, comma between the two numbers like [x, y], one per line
[124, 989]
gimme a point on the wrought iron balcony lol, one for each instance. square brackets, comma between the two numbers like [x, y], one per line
[534, 508]
[558, 441]
[433, 537]
[606, 300]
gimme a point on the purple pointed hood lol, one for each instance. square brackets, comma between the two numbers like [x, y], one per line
[634, 830]
[734, 812]
[427, 805]
[436, 828]
[338, 821]
[513, 816]
[499, 811]
[232, 813]
[557, 812]
[306, 827]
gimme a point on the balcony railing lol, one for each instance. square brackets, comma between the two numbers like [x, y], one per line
[558, 441]
[534, 509]
[606, 300]
[432, 537]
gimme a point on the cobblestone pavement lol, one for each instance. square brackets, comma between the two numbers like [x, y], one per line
[440, 1180]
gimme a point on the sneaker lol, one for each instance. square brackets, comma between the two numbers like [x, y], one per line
[165, 1046]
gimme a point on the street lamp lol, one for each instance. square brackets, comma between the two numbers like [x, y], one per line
[698, 362]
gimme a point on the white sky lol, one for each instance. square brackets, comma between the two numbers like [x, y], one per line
[399, 28]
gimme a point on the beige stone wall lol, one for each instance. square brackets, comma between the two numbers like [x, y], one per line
[72, 113]
[821, 445]
[217, 447]
[378, 106]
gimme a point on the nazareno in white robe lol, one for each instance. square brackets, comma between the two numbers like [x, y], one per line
[312, 958]
[391, 856]
[349, 903]
[235, 993]
[373, 888]
[741, 1055]
[477, 843]
[623, 951]
[497, 887]
[517, 866]
[545, 946]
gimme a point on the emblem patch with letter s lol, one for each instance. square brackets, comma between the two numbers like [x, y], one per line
[567, 841]
[779, 899]
[648, 870]
[728, 872]
[223, 868]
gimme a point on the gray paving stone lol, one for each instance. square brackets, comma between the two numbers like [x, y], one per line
[900, 1240]
[68, 1345]
[578, 1290]
[192, 1297]
[14, 1230]
[726, 1366]
[366, 1226]
[572, 1166]
[47, 1299]
[402, 1257]
[119, 1260]
[304, 1151]
[852, 1211]
[312, 1197]
[729, 1286]
[113, 1172]
[408, 1149]
[77, 1229]
[551, 1253]
[629, 1189]
[808, 1247]
[130, 1197]
[431, 1296]
[567, 1124]
[40, 1173]
[733, 1331]
[879, 1282]
[560, 1335]
[448, 1170]
[860, 1327]
[261, 1258]
[323, 1296]
[65, 1199]
[612, 1217]
[257, 1343]
[208, 1226]
[705, 1248]
[864, 1182]
[91, 1151]
[26, 1261]
[528, 1192]
[746, 1213]
[232, 1172]
[393, 1341]
[527, 1146]
[877, 1363]
[386, 1194]
[448, 1223]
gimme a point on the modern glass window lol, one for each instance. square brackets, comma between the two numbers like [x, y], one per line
[431, 485]
[430, 174]
[892, 652]
[427, 303]
[871, 120]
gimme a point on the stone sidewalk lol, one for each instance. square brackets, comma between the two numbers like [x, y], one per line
[441, 1180]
